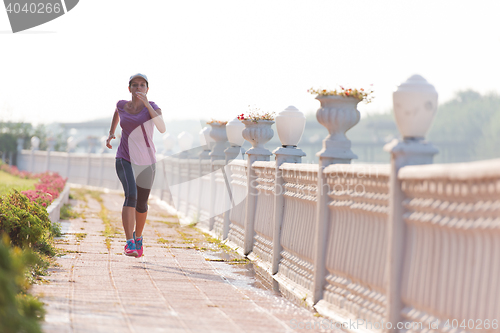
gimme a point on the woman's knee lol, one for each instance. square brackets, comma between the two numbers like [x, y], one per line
[141, 207]
[142, 199]
[130, 200]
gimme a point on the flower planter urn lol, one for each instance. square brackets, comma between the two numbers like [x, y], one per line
[258, 133]
[218, 134]
[338, 114]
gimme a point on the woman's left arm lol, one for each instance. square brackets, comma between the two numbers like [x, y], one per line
[155, 114]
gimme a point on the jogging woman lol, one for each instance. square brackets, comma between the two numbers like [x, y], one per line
[135, 158]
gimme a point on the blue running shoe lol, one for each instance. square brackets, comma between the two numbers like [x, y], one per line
[138, 245]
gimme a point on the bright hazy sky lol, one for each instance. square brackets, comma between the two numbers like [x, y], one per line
[211, 59]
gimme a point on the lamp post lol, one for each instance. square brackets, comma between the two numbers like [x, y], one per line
[234, 130]
[415, 104]
[92, 142]
[70, 145]
[20, 143]
[290, 124]
[35, 143]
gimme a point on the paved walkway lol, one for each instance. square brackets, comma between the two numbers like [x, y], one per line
[183, 283]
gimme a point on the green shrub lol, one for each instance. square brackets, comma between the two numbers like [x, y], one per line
[55, 229]
[19, 312]
[26, 223]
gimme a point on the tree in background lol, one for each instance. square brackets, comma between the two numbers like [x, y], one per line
[10, 132]
[470, 117]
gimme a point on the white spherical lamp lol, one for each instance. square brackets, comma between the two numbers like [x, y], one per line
[234, 130]
[415, 105]
[290, 124]
[35, 143]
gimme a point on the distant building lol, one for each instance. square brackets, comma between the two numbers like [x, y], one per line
[94, 129]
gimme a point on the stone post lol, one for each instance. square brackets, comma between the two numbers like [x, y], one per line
[219, 135]
[338, 114]
[285, 154]
[20, 144]
[35, 143]
[417, 95]
[51, 143]
[70, 145]
[92, 143]
[234, 131]
[102, 140]
[207, 143]
[290, 124]
[257, 133]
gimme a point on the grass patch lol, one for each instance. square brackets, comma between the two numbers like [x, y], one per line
[232, 261]
[163, 241]
[109, 229]
[80, 236]
[67, 212]
[81, 194]
[217, 242]
[9, 182]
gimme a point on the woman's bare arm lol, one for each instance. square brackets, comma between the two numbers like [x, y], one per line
[114, 123]
[157, 119]
[155, 115]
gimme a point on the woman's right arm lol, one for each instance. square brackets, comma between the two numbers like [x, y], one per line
[114, 123]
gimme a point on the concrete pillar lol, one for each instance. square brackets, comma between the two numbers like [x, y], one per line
[418, 95]
[35, 143]
[338, 114]
[218, 134]
[283, 155]
[231, 153]
[257, 133]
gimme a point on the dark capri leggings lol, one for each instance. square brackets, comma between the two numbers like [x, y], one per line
[136, 191]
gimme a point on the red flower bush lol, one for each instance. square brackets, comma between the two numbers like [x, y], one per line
[13, 170]
[39, 197]
[47, 189]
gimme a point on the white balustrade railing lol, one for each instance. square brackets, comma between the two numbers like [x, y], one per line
[264, 209]
[452, 259]
[452, 214]
[238, 183]
[357, 238]
[297, 231]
